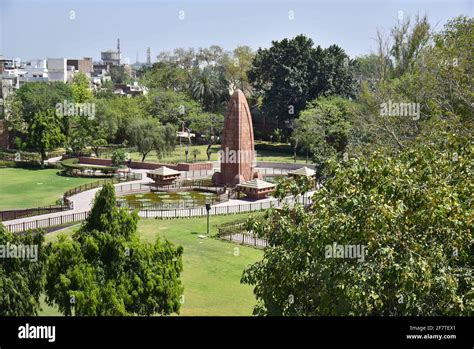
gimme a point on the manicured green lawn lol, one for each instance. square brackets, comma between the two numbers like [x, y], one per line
[23, 188]
[178, 154]
[275, 153]
[212, 268]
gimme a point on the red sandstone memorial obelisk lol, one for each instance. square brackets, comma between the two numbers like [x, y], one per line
[237, 140]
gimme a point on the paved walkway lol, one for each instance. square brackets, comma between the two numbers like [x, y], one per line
[82, 202]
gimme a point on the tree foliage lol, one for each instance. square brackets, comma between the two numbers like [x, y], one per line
[21, 282]
[45, 132]
[293, 72]
[430, 71]
[324, 128]
[404, 209]
[105, 270]
[119, 75]
[33, 98]
[118, 157]
[80, 88]
[209, 87]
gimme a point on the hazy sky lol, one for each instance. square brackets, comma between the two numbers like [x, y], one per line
[46, 28]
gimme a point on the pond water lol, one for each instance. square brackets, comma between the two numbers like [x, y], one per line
[167, 199]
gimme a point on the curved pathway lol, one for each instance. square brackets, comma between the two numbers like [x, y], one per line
[82, 203]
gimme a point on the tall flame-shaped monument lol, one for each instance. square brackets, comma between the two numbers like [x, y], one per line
[237, 154]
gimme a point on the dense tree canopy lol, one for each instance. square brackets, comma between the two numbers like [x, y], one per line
[104, 269]
[45, 132]
[324, 128]
[403, 209]
[32, 100]
[145, 134]
[209, 87]
[80, 88]
[21, 284]
[402, 191]
[293, 72]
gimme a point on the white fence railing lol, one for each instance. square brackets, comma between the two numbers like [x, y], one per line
[160, 214]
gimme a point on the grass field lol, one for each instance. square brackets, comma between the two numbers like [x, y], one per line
[178, 154]
[277, 152]
[212, 268]
[24, 188]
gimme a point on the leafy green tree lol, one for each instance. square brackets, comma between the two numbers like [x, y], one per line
[145, 134]
[167, 142]
[209, 126]
[105, 270]
[169, 132]
[165, 76]
[367, 69]
[445, 78]
[433, 76]
[118, 157]
[277, 135]
[105, 90]
[201, 74]
[408, 43]
[403, 209]
[104, 205]
[45, 132]
[210, 88]
[41, 96]
[35, 97]
[183, 58]
[303, 136]
[119, 75]
[89, 133]
[212, 55]
[79, 136]
[80, 87]
[21, 282]
[172, 107]
[335, 75]
[195, 153]
[293, 72]
[97, 144]
[114, 116]
[236, 67]
[324, 128]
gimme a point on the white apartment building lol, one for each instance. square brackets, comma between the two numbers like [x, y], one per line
[35, 70]
[57, 69]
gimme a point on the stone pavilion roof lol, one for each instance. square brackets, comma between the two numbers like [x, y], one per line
[164, 171]
[304, 171]
[257, 184]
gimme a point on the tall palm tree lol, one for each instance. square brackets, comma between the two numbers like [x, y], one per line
[207, 88]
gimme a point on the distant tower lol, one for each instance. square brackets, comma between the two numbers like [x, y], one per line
[118, 49]
[136, 59]
[148, 56]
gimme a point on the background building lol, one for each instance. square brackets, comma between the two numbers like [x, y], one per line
[57, 69]
[110, 57]
[84, 65]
